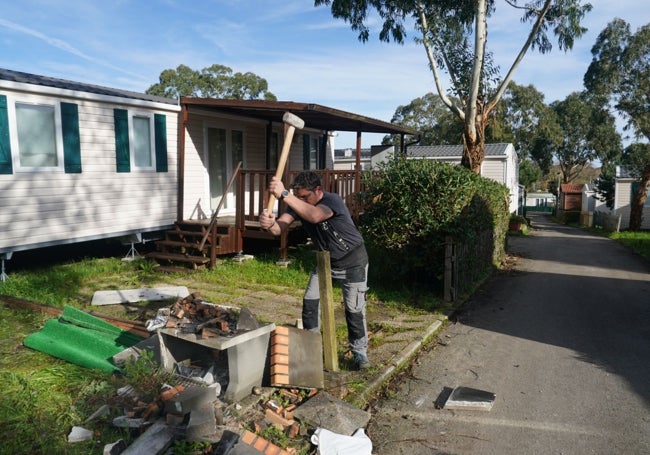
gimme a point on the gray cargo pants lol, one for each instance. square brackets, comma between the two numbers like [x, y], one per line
[354, 286]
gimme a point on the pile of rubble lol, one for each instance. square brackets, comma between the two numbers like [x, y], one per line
[192, 314]
[193, 408]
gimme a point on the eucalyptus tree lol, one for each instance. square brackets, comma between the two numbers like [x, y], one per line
[428, 115]
[215, 81]
[454, 35]
[588, 132]
[527, 118]
[619, 76]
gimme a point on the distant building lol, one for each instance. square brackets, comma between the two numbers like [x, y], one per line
[500, 164]
[345, 159]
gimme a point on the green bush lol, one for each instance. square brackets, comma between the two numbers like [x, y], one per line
[410, 207]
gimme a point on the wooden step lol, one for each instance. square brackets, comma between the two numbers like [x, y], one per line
[205, 223]
[178, 244]
[186, 233]
[172, 269]
[177, 257]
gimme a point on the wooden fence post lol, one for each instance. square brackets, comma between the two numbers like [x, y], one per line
[328, 322]
[449, 275]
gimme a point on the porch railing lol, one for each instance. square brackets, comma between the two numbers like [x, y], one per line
[252, 193]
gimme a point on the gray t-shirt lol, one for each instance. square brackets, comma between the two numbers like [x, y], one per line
[338, 234]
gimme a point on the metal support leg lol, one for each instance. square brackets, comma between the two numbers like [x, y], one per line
[3, 275]
[132, 254]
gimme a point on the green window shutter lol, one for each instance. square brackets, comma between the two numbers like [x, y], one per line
[122, 155]
[305, 151]
[71, 142]
[6, 166]
[160, 126]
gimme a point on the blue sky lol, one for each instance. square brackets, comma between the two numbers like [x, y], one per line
[304, 54]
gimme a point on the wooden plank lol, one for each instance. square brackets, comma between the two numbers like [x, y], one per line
[135, 327]
[331, 358]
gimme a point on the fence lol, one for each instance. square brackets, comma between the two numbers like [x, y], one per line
[609, 222]
[466, 263]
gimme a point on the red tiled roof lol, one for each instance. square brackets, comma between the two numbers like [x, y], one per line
[571, 188]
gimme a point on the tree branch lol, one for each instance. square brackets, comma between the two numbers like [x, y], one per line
[480, 33]
[434, 66]
[531, 36]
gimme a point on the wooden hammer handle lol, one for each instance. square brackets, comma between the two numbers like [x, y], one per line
[286, 147]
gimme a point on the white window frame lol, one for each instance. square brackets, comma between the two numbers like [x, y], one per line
[13, 132]
[132, 138]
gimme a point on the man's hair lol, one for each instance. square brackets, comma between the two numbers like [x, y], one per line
[306, 180]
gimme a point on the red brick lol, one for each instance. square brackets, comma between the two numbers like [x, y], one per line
[282, 331]
[277, 419]
[280, 379]
[260, 444]
[279, 369]
[248, 437]
[280, 349]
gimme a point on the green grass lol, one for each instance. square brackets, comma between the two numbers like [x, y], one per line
[639, 242]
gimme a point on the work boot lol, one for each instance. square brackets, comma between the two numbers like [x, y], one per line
[361, 362]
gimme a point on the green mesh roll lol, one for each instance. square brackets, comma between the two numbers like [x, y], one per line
[82, 339]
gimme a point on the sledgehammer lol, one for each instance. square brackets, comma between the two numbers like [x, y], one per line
[291, 122]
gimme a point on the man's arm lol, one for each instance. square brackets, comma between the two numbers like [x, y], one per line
[311, 213]
[273, 225]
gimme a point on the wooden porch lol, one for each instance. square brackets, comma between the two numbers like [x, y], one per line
[202, 242]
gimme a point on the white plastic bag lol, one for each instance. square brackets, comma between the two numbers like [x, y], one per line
[330, 443]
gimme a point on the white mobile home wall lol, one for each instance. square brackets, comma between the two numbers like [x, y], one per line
[51, 207]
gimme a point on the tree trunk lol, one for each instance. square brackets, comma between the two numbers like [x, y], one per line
[474, 145]
[636, 211]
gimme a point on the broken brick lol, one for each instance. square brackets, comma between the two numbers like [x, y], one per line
[277, 419]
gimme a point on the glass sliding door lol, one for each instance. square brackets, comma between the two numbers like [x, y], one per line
[225, 150]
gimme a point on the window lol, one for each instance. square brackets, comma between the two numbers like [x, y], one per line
[141, 128]
[36, 138]
[311, 152]
[140, 141]
[38, 135]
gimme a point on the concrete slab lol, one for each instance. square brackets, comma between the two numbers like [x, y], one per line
[138, 295]
[156, 440]
[325, 411]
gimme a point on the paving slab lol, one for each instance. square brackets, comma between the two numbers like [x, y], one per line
[138, 295]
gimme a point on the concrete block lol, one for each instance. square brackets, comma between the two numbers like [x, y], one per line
[325, 411]
[154, 441]
[189, 399]
[203, 422]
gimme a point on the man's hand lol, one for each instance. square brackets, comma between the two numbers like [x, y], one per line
[267, 220]
[276, 187]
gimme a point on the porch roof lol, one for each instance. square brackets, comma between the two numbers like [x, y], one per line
[314, 115]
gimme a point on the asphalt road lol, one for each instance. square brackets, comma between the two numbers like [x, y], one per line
[564, 343]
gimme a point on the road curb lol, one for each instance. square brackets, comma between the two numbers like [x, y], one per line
[396, 363]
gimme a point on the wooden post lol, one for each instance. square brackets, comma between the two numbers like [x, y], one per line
[449, 284]
[328, 322]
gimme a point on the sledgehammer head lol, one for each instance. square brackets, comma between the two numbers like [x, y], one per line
[293, 120]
